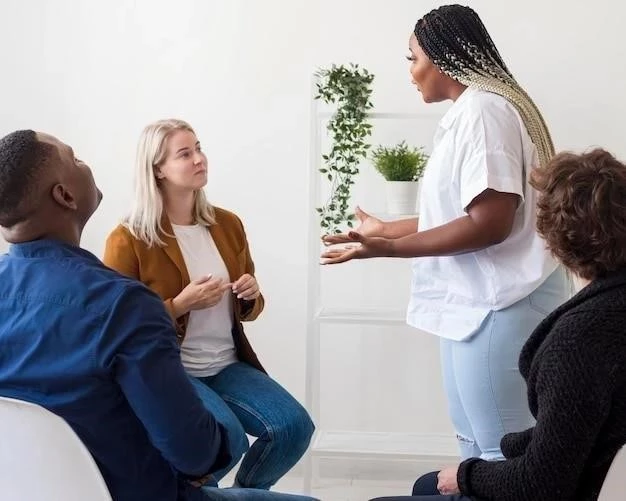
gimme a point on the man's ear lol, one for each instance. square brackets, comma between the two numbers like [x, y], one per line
[62, 195]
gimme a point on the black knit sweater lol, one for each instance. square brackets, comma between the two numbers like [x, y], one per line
[575, 367]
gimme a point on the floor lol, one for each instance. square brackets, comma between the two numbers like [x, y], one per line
[338, 489]
[348, 489]
[358, 488]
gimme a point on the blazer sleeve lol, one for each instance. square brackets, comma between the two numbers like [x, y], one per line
[120, 255]
[250, 310]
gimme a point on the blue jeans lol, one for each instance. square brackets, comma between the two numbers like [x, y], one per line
[245, 400]
[425, 489]
[486, 393]
[237, 494]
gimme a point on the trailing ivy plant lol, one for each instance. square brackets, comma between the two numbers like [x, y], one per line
[349, 88]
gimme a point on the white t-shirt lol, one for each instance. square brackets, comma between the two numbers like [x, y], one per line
[208, 346]
[481, 143]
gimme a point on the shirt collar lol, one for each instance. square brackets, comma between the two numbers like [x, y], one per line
[48, 248]
[457, 107]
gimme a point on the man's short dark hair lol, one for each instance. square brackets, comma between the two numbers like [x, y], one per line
[21, 159]
[581, 211]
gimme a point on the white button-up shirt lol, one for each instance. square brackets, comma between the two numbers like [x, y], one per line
[481, 143]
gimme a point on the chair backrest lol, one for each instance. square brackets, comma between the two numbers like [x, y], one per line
[614, 487]
[42, 459]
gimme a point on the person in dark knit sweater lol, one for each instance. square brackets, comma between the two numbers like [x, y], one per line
[574, 363]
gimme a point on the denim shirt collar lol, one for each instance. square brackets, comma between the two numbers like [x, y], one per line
[49, 248]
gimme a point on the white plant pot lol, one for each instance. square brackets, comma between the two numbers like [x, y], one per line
[402, 197]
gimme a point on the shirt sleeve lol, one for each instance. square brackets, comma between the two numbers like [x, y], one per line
[146, 364]
[120, 255]
[492, 155]
[514, 444]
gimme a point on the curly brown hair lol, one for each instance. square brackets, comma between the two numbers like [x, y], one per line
[581, 211]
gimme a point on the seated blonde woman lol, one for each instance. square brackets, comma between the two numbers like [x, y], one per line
[196, 258]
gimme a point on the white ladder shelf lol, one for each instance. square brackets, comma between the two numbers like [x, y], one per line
[336, 443]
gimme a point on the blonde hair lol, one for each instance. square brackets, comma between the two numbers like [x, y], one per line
[144, 219]
[455, 39]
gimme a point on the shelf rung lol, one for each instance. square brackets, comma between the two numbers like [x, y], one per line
[380, 316]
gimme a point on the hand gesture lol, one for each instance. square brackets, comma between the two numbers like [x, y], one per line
[369, 226]
[202, 293]
[246, 288]
[362, 248]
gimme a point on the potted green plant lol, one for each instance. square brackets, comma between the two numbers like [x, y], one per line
[402, 167]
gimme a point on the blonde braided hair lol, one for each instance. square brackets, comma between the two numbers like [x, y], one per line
[457, 42]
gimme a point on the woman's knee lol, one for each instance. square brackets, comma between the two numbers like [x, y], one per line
[293, 426]
[306, 427]
[426, 485]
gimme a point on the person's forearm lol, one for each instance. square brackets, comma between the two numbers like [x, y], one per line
[456, 237]
[157, 388]
[400, 228]
[176, 308]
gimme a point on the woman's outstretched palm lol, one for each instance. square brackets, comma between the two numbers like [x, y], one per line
[369, 226]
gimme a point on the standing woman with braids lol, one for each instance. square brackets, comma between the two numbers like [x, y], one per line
[482, 276]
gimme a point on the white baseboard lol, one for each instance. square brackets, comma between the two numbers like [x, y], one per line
[381, 469]
[352, 455]
[378, 455]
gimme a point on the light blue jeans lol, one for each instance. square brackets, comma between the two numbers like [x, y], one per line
[247, 401]
[486, 393]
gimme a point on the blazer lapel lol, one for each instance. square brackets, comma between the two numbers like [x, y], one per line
[173, 250]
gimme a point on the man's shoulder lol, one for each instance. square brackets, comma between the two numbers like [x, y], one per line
[113, 282]
[95, 285]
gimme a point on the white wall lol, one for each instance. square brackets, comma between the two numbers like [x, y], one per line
[95, 72]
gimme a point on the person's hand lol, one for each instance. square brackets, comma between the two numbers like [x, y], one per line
[246, 288]
[202, 293]
[447, 484]
[369, 226]
[362, 248]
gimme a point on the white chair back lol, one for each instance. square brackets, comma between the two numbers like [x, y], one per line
[614, 487]
[42, 459]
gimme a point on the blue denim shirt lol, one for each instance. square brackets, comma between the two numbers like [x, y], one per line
[99, 350]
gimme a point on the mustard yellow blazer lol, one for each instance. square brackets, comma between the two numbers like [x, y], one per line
[163, 270]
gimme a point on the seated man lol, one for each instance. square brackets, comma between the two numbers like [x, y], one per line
[92, 346]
